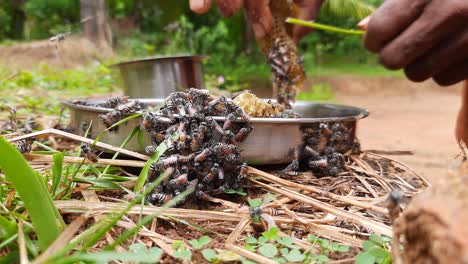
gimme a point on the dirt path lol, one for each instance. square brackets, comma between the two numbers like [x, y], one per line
[406, 116]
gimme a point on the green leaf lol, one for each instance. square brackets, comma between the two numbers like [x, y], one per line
[323, 242]
[379, 253]
[284, 251]
[343, 248]
[57, 171]
[203, 241]
[262, 240]
[150, 256]
[268, 250]
[183, 253]
[246, 261]
[346, 8]
[312, 238]
[250, 247]
[368, 244]
[295, 256]
[286, 241]
[144, 172]
[376, 238]
[255, 203]
[268, 197]
[334, 246]
[271, 234]
[280, 260]
[322, 258]
[251, 240]
[240, 191]
[365, 258]
[45, 217]
[177, 244]
[209, 254]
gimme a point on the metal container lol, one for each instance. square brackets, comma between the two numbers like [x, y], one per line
[268, 143]
[157, 77]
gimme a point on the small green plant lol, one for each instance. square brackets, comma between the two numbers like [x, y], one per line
[376, 250]
[181, 250]
[201, 242]
[282, 248]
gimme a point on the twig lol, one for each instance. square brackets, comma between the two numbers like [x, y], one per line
[23, 254]
[375, 226]
[250, 255]
[78, 160]
[52, 131]
[272, 178]
[390, 152]
[238, 230]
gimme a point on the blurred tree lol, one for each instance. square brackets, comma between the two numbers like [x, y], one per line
[18, 18]
[94, 18]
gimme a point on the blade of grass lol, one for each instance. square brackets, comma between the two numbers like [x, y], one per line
[44, 215]
[101, 232]
[127, 234]
[57, 171]
[124, 143]
[125, 120]
[144, 172]
[314, 25]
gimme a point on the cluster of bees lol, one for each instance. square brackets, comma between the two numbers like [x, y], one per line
[288, 75]
[122, 106]
[202, 155]
[322, 150]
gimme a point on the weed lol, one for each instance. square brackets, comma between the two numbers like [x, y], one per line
[376, 250]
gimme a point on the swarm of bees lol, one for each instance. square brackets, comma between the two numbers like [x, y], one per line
[122, 106]
[281, 53]
[202, 155]
[256, 107]
[322, 150]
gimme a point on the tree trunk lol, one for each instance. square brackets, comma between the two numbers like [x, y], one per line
[96, 27]
[18, 18]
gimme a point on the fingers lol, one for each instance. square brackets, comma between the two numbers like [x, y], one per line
[390, 20]
[453, 74]
[259, 15]
[431, 28]
[364, 23]
[309, 10]
[229, 7]
[200, 6]
[439, 59]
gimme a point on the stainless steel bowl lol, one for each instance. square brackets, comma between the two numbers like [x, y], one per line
[157, 77]
[269, 142]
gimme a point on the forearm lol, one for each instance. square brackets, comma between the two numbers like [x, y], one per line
[461, 131]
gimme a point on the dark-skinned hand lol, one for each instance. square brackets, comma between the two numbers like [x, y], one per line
[259, 14]
[426, 38]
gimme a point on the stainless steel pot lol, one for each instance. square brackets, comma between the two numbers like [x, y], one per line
[269, 142]
[157, 77]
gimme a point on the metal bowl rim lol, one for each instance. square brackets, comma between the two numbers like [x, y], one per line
[363, 113]
[159, 58]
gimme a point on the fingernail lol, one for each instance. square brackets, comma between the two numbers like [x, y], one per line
[363, 23]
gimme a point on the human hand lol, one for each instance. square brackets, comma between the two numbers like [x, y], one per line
[426, 38]
[259, 14]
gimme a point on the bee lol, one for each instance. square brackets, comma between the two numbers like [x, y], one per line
[147, 121]
[271, 211]
[243, 171]
[25, 145]
[79, 102]
[317, 164]
[167, 162]
[324, 129]
[157, 198]
[195, 144]
[181, 110]
[190, 109]
[29, 125]
[89, 153]
[393, 204]
[241, 136]
[129, 107]
[202, 129]
[218, 105]
[229, 121]
[114, 102]
[214, 171]
[310, 152]
[214, 125]
[332, 170]
[180, 180]
[242, 114]
[185, 159]
[203, 155]
[111, 118]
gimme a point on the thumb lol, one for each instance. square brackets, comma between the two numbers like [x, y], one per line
[200, 6]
